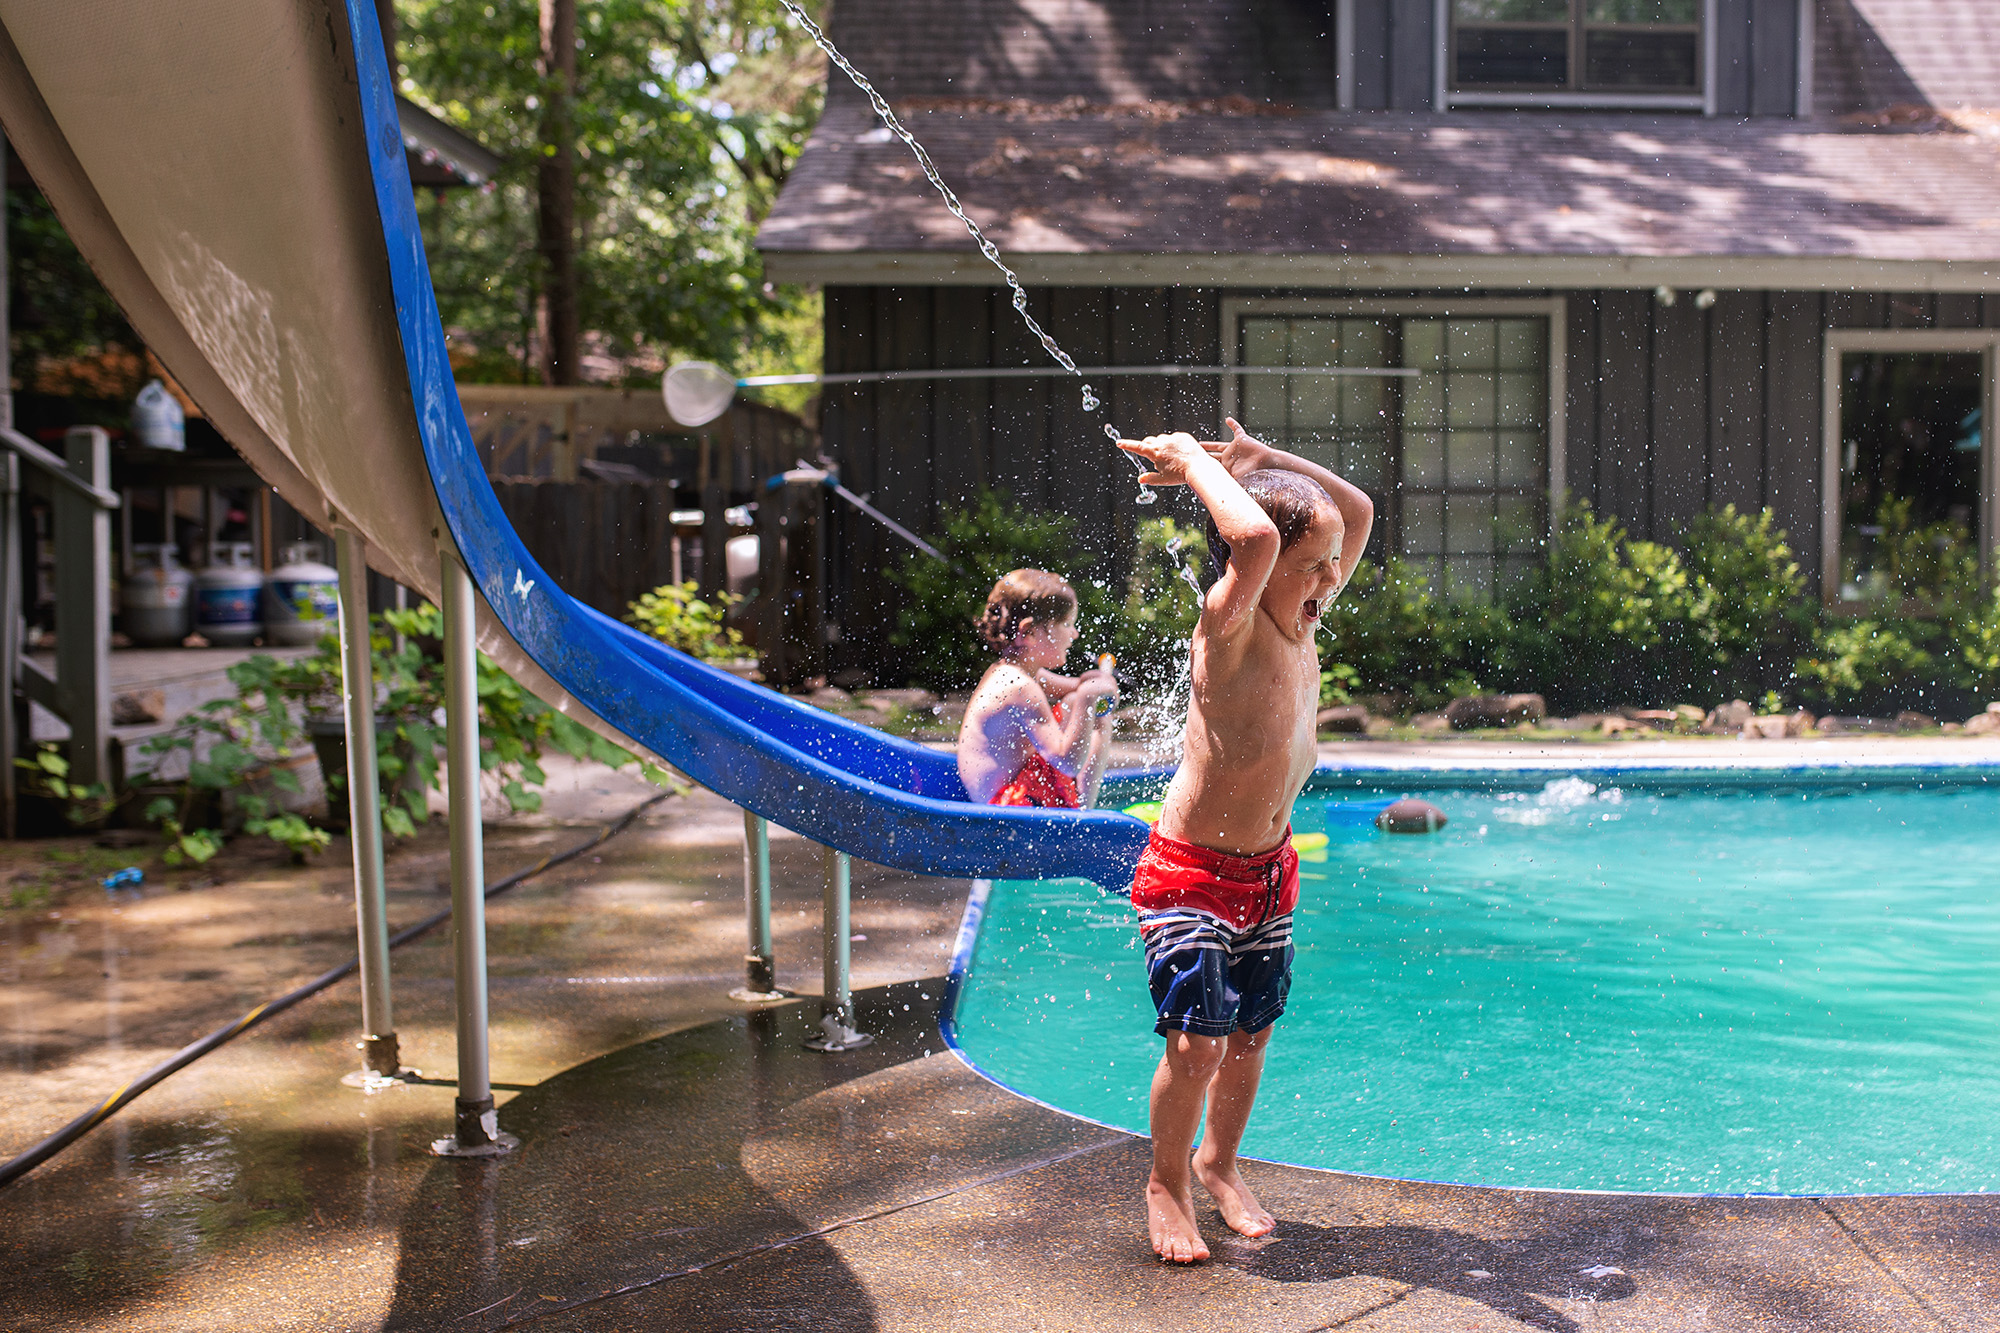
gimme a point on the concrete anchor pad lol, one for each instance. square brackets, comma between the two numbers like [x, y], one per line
[723, 1177]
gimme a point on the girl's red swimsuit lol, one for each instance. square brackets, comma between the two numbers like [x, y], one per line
[1041, 783]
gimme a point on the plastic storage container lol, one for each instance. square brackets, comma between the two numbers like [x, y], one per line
[226, 595]
[301, 598]
[157, 419]
[157, 602]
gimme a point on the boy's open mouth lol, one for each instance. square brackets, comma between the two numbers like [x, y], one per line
[1311, 608]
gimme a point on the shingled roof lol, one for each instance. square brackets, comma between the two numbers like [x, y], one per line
[1097, 148]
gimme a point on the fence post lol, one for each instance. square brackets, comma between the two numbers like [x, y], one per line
[12, 729]
[83, 608]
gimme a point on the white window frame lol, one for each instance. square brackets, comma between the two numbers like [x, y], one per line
[1703, 101]
[1554, 309]
[1839, 342]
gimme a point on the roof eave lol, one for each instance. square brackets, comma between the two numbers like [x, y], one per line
[1771, 272]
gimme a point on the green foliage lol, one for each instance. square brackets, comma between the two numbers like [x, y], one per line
[1746, 582]
[46, 773]
[687, 116]
[676, 615]
[946, 597]
[1849, 657]
[1162, 601]
[233, 748]
[1977, 637]
[1390, 634]
[1337, 685]
[1920, 568]
[56, 306]
[1608, 595]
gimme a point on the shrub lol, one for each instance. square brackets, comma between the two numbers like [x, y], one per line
[676, 615]
[1746, 587]
[1162, 602]
[980, 543]
[1608, 620]
[1850, 658]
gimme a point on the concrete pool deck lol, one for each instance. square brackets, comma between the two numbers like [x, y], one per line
[687, 1165]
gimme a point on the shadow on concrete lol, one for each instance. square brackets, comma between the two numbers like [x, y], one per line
[630, 1180]
[1507, 1281]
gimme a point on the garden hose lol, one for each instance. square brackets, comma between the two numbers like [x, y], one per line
[110, 1106]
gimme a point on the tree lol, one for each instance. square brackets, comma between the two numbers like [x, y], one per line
[681, 119]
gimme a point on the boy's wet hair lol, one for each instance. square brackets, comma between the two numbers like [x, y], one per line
[1024, 595]
[1289, 499]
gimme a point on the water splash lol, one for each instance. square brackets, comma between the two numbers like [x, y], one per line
[882, 109]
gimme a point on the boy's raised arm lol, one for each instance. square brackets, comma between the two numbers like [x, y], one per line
[1252, 538]
[1243, 454]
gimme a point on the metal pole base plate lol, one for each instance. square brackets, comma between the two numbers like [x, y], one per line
[369, 1081]
[748, 996]
[836, 1036]
[501, 1144]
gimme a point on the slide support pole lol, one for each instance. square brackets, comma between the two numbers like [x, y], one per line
[475, 1123]
[380, 1062]
[760, 963]
[836, 1006]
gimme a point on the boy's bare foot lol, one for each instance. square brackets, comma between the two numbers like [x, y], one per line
[1170, 1218]
[1238, 1206]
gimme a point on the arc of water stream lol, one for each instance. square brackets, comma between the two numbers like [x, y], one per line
[951, 201]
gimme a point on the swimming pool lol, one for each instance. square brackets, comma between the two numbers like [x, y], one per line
[1633, 982]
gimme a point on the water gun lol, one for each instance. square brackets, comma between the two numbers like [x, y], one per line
[1104, 704]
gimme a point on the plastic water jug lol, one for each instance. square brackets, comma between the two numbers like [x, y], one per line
[301, 598]
[226, 594]
[156, 602]
[157, 419]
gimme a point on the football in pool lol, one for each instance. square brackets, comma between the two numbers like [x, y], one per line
[1580, 984]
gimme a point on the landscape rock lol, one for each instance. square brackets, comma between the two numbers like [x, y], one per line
[905, 698]
[1581, 722]
[1778, 726]
[137, 708]
[1344, 719]
[1430, 724]
[831, 696]
[1728, 719]
[1909, 720]
[1472, 711]
[1614, 725]
[1985, 724]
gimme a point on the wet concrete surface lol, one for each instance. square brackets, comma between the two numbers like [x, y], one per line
[686, 1164]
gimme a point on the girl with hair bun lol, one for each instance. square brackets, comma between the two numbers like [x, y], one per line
[1030, 736]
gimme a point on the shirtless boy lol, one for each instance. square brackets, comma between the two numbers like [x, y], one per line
[1216, 885]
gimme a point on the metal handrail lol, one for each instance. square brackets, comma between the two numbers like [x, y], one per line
[53, 464]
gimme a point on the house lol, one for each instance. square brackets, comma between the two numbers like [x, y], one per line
[1659, 255]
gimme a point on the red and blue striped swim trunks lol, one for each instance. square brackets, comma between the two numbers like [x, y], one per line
[1218, 934]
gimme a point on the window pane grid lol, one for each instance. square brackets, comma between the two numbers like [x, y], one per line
[1458, 453]
[1555, 46]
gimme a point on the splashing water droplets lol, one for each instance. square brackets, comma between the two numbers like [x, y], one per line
[951, 201]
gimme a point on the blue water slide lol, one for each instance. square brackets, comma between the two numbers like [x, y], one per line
[848, 786]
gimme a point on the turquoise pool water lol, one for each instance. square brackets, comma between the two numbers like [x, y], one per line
[1580, 987]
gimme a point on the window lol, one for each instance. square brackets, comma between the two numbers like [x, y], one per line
[1456, 456]
[1911, 441]
[1576, 46]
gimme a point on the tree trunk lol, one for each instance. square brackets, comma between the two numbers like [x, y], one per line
[557, 188]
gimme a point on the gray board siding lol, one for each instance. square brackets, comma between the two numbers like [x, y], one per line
[1671, 409]
[1190, 50]
[1756, 56]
